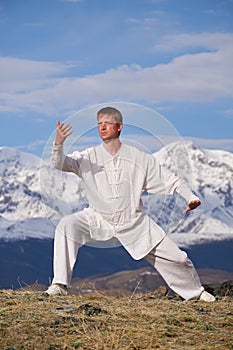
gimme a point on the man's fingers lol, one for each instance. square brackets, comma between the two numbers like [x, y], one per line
[68, 133]
[64, 128]
[192, 205]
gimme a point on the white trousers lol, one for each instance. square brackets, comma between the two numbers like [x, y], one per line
[171, 262]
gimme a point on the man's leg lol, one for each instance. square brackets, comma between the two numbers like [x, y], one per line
[71, 233]
[176, 269]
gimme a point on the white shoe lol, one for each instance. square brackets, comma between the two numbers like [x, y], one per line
[205, 296]
[55, 289]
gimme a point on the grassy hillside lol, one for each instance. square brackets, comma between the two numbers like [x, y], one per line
[31, 320]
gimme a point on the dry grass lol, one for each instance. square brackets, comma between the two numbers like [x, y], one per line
[31, 320]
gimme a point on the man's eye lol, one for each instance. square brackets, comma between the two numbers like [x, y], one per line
[107, 123]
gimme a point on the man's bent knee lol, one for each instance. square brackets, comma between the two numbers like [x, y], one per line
[65, 223]
[74, 228]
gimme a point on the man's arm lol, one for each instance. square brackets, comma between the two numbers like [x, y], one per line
[182, 188]
[59, 160]
[161, 180]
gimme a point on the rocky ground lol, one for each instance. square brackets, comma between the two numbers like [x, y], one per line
[31, 320]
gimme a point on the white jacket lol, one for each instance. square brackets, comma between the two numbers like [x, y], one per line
[114, 185]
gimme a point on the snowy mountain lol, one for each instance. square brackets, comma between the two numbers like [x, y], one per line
[33, 196]
[210, 175]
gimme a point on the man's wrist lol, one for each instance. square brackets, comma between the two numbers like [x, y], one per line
[57, 143]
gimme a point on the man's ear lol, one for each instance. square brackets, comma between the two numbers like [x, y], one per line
[120, 126]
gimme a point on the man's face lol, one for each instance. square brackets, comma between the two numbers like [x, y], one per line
[108, 128]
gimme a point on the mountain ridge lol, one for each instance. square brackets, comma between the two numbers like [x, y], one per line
[33, 196]
[29, 261]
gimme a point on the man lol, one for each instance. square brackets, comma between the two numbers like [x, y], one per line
[114, 176]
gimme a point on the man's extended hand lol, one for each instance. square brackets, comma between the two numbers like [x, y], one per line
[63, 131]
[192, 205]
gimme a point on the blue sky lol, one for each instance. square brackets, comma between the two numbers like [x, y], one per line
[58, 57]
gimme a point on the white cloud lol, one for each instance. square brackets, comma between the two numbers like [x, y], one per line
[12, 68]
[45, 87]
[155, 22]
[219, 144]
[204, 41]
[32, 146]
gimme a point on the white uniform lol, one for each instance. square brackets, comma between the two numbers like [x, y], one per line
[114, 185]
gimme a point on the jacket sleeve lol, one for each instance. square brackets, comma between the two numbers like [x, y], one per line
[68, 163]
[161, 180]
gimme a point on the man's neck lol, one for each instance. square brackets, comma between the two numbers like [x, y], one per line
[112, 146]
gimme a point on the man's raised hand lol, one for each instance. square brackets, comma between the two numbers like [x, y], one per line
[192, 205]
[63, 131]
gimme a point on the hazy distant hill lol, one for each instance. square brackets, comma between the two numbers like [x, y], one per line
[142, 280]
[28, 261]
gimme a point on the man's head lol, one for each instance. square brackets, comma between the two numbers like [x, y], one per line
[109, 123]
[111, 111]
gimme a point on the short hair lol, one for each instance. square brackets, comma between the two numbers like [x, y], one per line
[111, 111]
